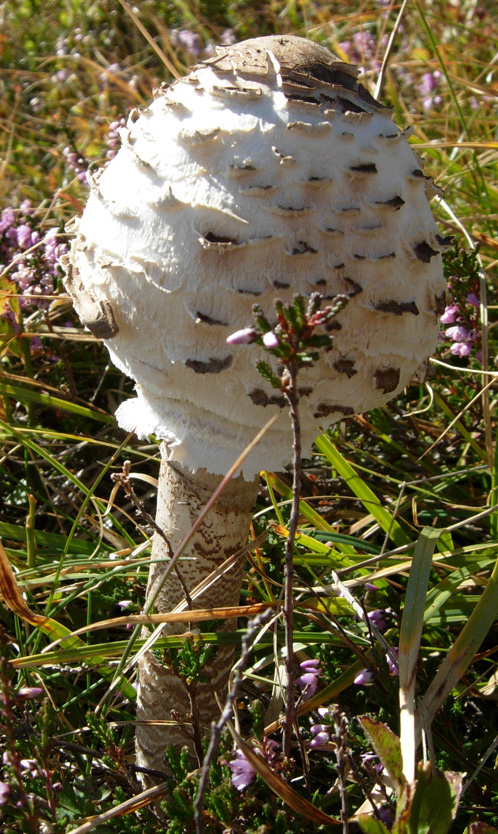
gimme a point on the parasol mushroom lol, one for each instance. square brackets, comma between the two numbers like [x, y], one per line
[267, 171]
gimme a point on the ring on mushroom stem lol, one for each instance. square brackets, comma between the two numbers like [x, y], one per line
[268, 170]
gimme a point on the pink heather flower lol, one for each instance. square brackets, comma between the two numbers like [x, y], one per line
[380, 617]
[393, 666]
[311, 665]
[458, 333]
[308, 681]
[7, 219]
[319, 728]
[30, 766]
[462, 349]
[473, 299]
[61, 76]
[125, 603]
[28, 693]
[270, 340]
[190, 41]
[363, 677]
[4, 793]
[24, 236]
[450, 314]
[361, 49]
[242, 337]
[430, 83]
[321, 732]
[320, 739]
[271, 751]
[243, 772]
[228, 37]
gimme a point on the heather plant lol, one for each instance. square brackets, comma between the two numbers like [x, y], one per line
[394, 570]
[30, 269]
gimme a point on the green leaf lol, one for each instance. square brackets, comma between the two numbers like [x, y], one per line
[267, 373]
[435, 801]
[413, 612]
[372, 825]
[464, 648]
[409, 644]
[387, 746]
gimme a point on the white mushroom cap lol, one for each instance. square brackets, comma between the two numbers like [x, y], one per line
[266, 172]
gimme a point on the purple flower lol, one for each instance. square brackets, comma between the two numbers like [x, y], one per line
[113, 138]
[50, 243]
[473, 299]
[321, 732]
[321, 738]
[7, 219]
[450, 314]
[361, 49]
[458, 333]
[430, 82]
[4, 793]
[462, 349]
[308, 681]
[428, 86]
[243, 772]
[77, 164]
[28, 693]
[319, 728]
[270, 340]
[228, 37]
[242, 337]
[380, 618]
[363, 677]
[29, 766]
[311, 665]
[391, 662]
[24, 236]
[190, 41]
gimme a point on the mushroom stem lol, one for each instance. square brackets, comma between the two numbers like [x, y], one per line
[162, 695]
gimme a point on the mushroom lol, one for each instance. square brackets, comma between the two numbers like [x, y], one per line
[268, 171]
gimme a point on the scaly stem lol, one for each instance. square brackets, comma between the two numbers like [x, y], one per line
[164, 710]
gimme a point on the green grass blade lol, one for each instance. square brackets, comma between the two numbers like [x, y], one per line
[362, 491]
[409, 644]
[464, 648]
[27, 395]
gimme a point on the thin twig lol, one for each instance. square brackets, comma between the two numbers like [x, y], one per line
[341, 728]
[217, 729]
[389, 48]
[288, 607]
